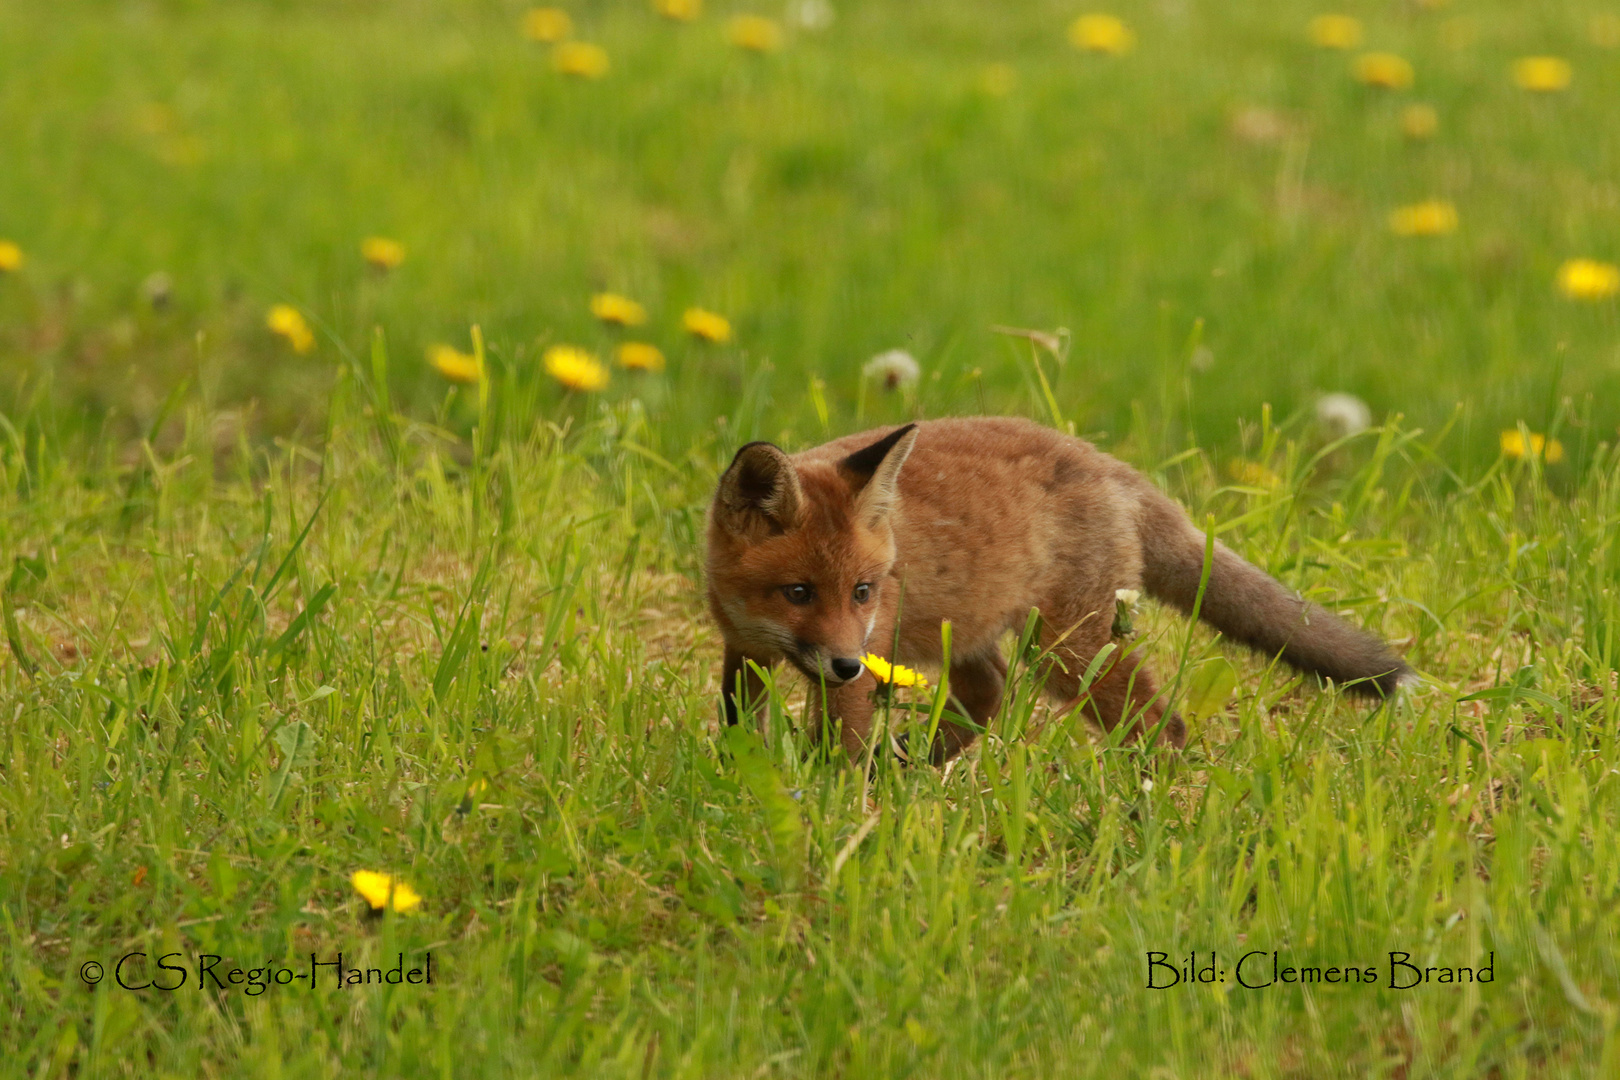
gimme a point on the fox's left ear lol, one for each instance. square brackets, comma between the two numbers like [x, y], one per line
[875, 472]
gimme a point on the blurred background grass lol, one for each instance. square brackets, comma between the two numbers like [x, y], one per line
[899, 176]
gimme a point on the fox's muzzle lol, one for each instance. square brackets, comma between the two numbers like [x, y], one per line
[846, 668]
[833, 671]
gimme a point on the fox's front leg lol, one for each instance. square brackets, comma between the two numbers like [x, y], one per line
[852, 705]
[846, 708]
[739, 676]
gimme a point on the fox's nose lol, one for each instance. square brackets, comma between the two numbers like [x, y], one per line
[846, 669]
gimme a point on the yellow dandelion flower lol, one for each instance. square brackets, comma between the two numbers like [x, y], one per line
[1101, 34]
[1384, 70]
[11, 257]
[1514, 446]
[1436, 217]
[641, 356]
[1253, 474]
[575, 368]
[755, 33]
[894, 674]
[454, 364]
[384, 892]
[285, 320]
[1543, 74]
[1604, 31]
[679, 10]
[1588, 279]
[706, 325]
[382, 253]
[616, 309]
[547, 24]
[580, 59]
[1419, 121]
[1334, 31]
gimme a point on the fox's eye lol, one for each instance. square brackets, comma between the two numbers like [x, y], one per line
[863, 593]
[798, 594]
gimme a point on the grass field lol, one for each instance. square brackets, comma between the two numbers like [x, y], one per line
[276, 616]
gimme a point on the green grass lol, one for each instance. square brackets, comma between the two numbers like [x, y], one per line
[271, 619]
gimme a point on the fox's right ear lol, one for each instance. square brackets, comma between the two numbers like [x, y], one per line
[760, 491]
[875, 473]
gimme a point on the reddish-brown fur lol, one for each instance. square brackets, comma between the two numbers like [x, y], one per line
[977, 521]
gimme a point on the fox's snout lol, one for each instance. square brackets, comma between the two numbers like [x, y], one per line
[846, 668]
[818, 665]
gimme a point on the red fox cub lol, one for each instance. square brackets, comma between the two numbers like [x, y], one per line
[977, 521]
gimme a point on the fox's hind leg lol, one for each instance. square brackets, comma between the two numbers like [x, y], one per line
[1124, 691]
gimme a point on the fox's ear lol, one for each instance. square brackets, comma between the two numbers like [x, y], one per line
[759, 491]
[875, 472]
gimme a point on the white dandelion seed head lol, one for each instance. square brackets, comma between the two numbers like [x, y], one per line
[811, 14]
[1147, 785]
[157, 288]
[1257, 124]
[1343, 414]
[1128, 597]
[896, 368]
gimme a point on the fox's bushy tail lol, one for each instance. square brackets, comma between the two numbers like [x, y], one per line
[1249, 606]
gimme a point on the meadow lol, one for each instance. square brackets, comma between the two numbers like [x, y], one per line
[337, 537]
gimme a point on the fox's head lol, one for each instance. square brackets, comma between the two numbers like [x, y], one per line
[799, 554]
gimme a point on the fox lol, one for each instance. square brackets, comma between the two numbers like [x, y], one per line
[868, 543]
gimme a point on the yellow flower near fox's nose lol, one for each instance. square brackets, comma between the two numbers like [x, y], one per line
[1543, 74]
[547, 24]
[640, 356]
[616, 309]
[679, 10]
[1436, 217]
[1514, 446]
[454, 364]
[706, 325]
[575, 368]
[580, 59]
[286, 321]
[382, 253]
[1588, 279]
[1334, 31]
[1100, 33]
[1384, 70]
[893, 674]
[11, 257]
[755, 33]
[383, 892]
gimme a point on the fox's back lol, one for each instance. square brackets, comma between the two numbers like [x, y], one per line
[992, 510]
